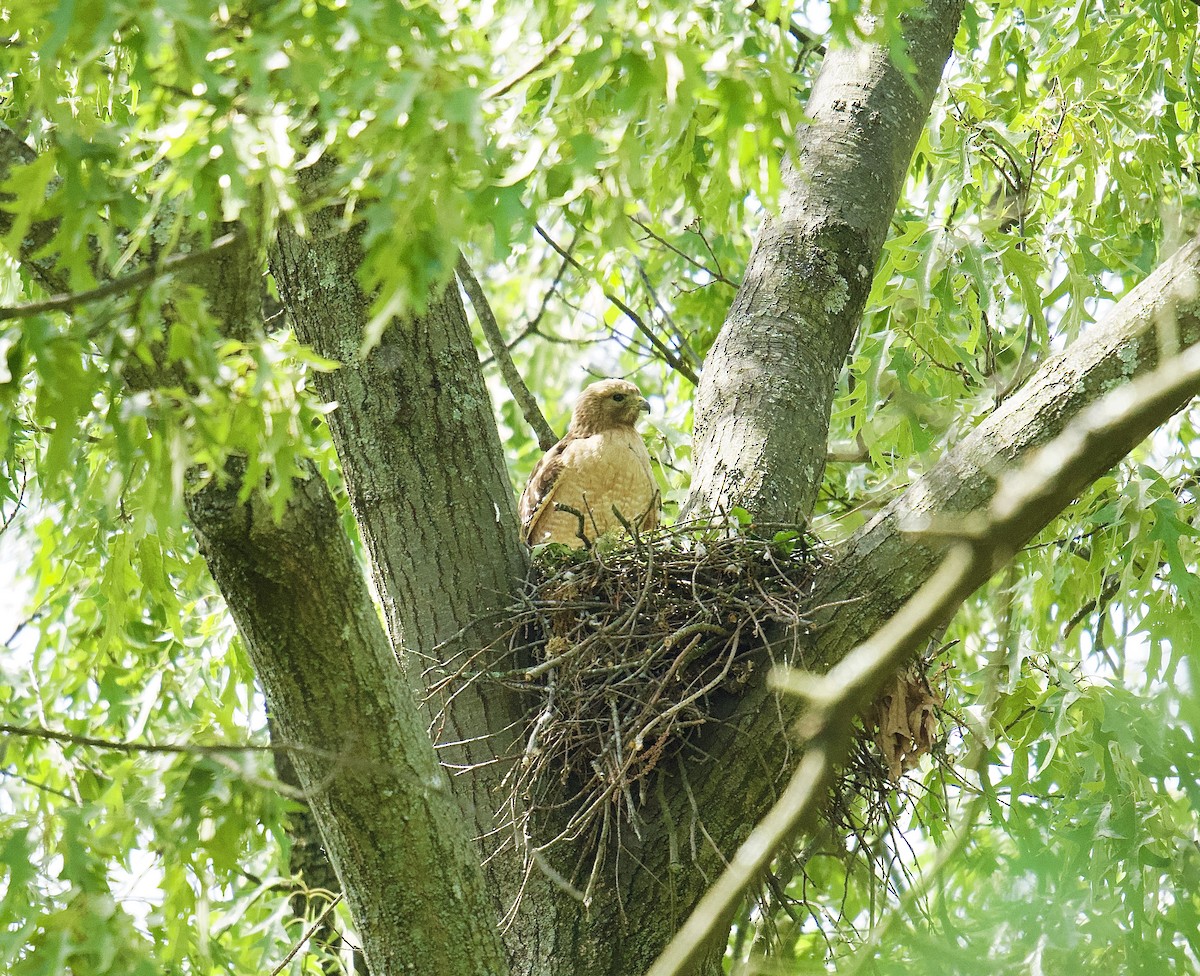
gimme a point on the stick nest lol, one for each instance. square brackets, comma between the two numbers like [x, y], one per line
[629, 649]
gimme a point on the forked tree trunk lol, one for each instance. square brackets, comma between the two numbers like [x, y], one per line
[428, 490]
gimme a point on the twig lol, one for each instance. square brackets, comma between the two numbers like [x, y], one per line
[508, 84]
[307, 935]
[669, 356]
[118, 286]
[19, 504]
[717, 275]
[531, 327]
[684, 345]
[191, 748]
[508, 369]
[810, 42]
[36, 785]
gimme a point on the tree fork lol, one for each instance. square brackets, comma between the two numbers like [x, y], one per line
[296, 591]
[418, 446]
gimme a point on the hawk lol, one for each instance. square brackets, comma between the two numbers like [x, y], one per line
[601, 465]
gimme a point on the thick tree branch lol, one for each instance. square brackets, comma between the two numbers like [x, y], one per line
[880, 567]
[389, 821]
[762, 417]
[425, 473]
[508, 369]
[1025, 500]
[761, 444]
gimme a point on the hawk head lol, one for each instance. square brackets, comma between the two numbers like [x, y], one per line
[606, 405]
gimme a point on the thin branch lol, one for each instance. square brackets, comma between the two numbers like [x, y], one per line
[545, 303]
[36, 785]
[810, 42]
[532, 326]
[1044, 484]
[20, 502]
[508, 84]
[508, 369]
[685, 347]
[669, 356]
[848, 453]
[119, 286]
[717, 275]
[190, 748]
[307, 935]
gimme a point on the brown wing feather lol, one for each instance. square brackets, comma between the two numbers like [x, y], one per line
[539, 490]
[650, 522]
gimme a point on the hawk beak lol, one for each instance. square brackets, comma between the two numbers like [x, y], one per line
[645, 407]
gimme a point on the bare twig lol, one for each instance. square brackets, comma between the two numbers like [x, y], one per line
[670, 357]
[685, 346]
[717, 275]
[307, 935]
[186, 748]
[119, 286]
[532, 327]
[809, 42]
[508, 84]
[36, 784]
[508, 369]
[19, 503]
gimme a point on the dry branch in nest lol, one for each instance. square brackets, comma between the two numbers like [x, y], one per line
[627, 649]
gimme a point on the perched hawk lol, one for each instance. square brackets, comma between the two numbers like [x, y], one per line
[599, 466]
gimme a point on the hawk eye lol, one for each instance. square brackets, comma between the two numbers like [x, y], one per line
[619, 397]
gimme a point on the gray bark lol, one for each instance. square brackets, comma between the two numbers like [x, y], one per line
[420, 452]
[391, 827]
[390, 823]
[762, 406]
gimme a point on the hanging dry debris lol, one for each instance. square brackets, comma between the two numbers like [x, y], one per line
[905, 719]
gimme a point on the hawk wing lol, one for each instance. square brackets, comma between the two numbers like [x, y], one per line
[589, 479]
[538, 496]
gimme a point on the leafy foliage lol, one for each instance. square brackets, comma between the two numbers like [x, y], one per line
[647, 141]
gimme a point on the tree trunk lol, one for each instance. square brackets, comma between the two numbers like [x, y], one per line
[762, 406]
[438, 523]
[416, 437]
[392, 829]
